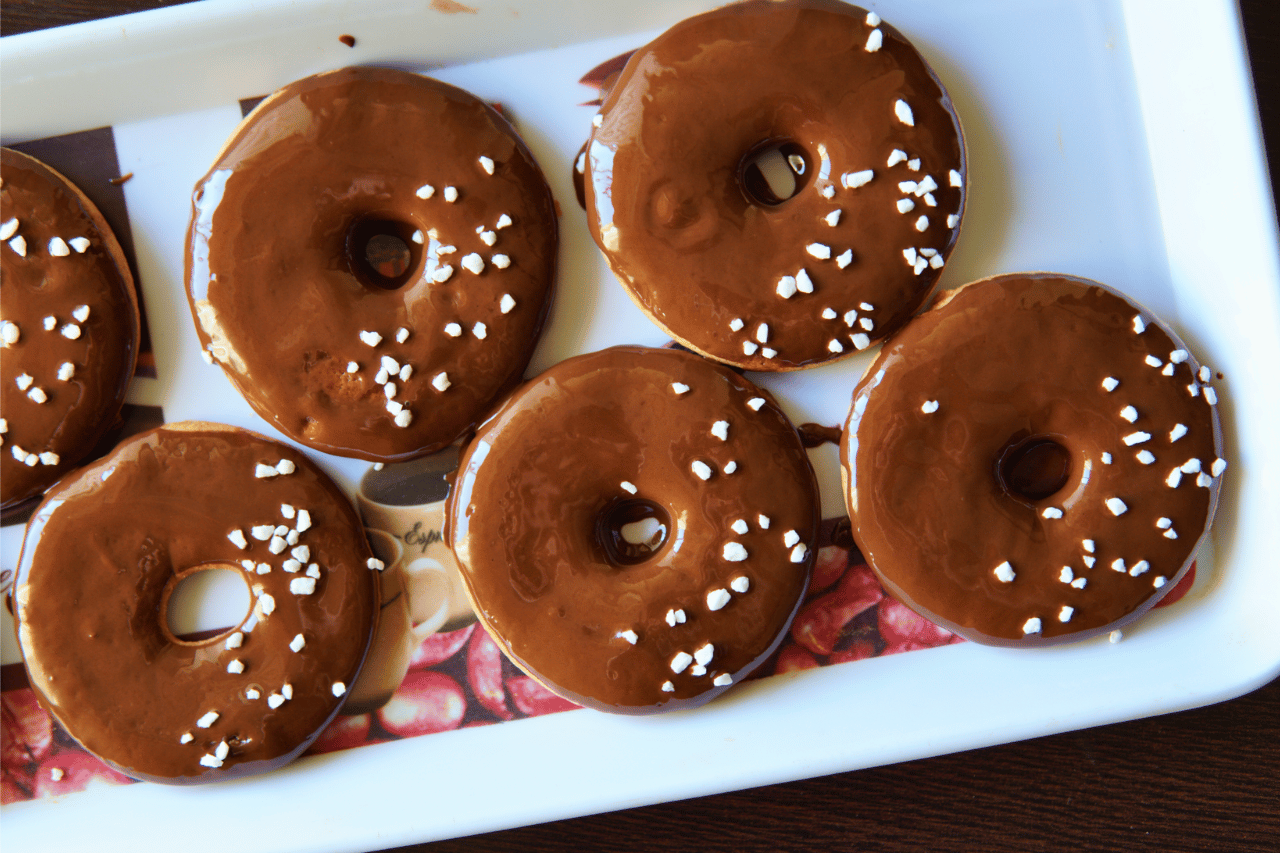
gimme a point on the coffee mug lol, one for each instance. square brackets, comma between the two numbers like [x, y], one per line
[406, 500]
[397, 637]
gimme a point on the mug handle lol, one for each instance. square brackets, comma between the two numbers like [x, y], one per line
[436, 620]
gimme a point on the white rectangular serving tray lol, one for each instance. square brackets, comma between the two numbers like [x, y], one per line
[1114, 139]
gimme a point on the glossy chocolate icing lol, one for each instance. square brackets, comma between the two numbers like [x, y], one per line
[544, 482]
[105, 549]
[1019, 365]
[666, 199]
[51, 215]
[281, 290]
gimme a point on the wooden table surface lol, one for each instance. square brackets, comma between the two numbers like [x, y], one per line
[1201, 780]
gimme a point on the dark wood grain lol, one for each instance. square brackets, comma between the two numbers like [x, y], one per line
[1201, 780]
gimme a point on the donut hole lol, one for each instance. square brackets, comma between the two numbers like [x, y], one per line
[383, 253]
[632, 531]
[773, 172]
[205, 604]
[1033, 468]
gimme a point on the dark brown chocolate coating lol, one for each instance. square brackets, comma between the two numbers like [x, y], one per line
[42, 295]
[281, 288]
[107, 546]
[665, 192]
[1029, 460]
[587, 444]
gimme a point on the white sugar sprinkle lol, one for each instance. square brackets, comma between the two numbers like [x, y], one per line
[835, 346]
[1116, 506]
[275, 700]
[9, 228]
[1066, 575]
[749, 347]
[786, 287]
[1159, 581]
[922, 224]
[1139, 568]
[1203, 480]
[262, 472]
[906, 205]
[844, 258]
[860, 341]
[480, 330]
[1031, 626]
[675, 617]
[1079, 583]
[1152, 361]
[1051, 512]
[679, 387]
[375, 564]
[1139, 325]
[740, 584]
[235, 667]
[1118, 565]
[1210, 396]
[486, 163]
[628, 486]
[207, 720]
[262, 532]
[1174, 478]
[37, 395]
[704, 654]
[730, 467]
[1146, 457]
[338, 688]
[1129, 413]
[903, 112]
[370, 338]
[790, 538]
[291, 566]
[1191, 466]
[724, 679]
[804, 284]
[680, 662]
[955, 179]
[701, 470]
[820, 251]
[953, 219]
[443, 274]
[736, 324]
[896, 156]
[440, 381]
[1004, 572]
[425, 191]
[833, 218]
[668, 687]
[755, 403]
[450, 194]
[1178, 431]
[70, 331]
[187, 737]
[49, 458]
[453, 330]
[734, 552]
[268, 603]
[929, 407]
[907, 186]
[874, 41]
[10, 333]
[208, 760]
[19, 245]
[58, 247]
[81, 313]
[853, 180]
[1064, 615]
[739, 526]
[799, 553]
[1219, 465]
[1106, 458]
[473, 263]
[717, 599]
[235, 640]
[1136, 438]
[762, 333]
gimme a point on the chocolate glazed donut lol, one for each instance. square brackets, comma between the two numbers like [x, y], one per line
[70, 326]
[105, 551]
[370, 261]
[1033, 459]
[635, 528]
[699, 240]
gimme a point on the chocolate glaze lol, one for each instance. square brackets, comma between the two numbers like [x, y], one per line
[667, 203]
[1016, 361]
[39, 285]
[106, 548]
[281, 292]
[539, 485]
